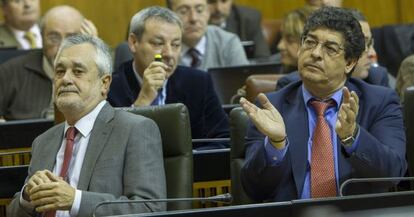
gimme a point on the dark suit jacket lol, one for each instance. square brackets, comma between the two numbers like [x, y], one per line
[7, 39]
[380, 152]
[26, 90]
[246, 23]
[376, 76]
[123, 161]
[191, 87]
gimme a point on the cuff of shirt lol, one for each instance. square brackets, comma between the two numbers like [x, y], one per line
[275, 156]
[24, 203]
[352, 148]
[76, 203]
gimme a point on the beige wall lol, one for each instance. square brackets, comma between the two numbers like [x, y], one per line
[112, 16]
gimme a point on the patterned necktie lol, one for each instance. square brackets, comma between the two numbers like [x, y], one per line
[70, 138]
[323, 182]
[195, 55]
[31, 38]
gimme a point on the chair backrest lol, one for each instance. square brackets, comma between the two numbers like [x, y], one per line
[256, 84]
[174, 124]
[7, 54]
[12, 180]
[409, 127]
[238, 131]
[227, 80]
[122, 54]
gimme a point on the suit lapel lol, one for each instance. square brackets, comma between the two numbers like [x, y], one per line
[52, 148]
[97, 141]
[294, 113]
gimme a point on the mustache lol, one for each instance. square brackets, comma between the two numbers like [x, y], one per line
[68, 89]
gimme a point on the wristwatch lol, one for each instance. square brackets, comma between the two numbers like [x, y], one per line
[348, 141]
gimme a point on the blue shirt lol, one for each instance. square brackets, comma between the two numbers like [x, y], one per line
[276, 156]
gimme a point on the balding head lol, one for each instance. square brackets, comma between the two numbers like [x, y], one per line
[58, 23]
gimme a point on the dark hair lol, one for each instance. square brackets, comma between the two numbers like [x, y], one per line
[340, 20]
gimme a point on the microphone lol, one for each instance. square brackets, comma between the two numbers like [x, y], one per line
[226, 198]
[379, 179]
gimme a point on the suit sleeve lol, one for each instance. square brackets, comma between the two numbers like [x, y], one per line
[260, 178]
[381, 148]
[143, 175]
[234, 52]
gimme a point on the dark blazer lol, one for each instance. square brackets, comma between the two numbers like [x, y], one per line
[193, 88]
[26, 90]
[380, 152]
[123, 161]
[246, 23]
[376, 76]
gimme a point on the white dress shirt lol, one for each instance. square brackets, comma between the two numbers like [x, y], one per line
[186, 58]
[84, 127]
[24, 43]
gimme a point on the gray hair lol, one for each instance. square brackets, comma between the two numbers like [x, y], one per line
[103, 57]
[137, 24]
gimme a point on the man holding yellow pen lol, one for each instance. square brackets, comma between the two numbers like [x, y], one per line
[153, 77]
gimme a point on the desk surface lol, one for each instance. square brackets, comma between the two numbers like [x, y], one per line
[295, 208]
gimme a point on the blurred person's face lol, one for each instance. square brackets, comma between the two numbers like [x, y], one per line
[58, 26]
[159, 37]
[194, 14]
[219, 11]
[364, 62]
[21, 14]
[289, 47]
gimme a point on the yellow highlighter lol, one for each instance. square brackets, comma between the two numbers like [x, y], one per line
[158, 57]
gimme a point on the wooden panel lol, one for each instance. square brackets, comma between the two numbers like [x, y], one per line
[111, 17]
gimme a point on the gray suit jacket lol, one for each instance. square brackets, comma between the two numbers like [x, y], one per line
[223, 49]
[123, 161]
[7, 38]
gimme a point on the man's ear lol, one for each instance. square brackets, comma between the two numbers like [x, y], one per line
[132, 42]
[106, 83]
[350, 64]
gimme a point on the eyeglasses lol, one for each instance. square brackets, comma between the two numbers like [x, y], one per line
[332, 49]
[185, 10]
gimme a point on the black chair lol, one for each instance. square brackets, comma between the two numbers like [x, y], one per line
[174, 124]
[7, 54]
[238, 131]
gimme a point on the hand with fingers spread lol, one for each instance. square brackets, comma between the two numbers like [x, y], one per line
[54, 195]
[267, 120]
[348, 112]
[153, 79]
[88, 28]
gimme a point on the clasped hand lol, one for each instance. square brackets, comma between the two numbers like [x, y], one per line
[49, 192]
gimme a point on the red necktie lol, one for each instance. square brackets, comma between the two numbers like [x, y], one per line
[70, 138]
[323, 182]
[195, 57]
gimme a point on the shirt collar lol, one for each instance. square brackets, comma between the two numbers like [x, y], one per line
[200, 47]
[337, 96]
[20, 33]
[85, 124]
